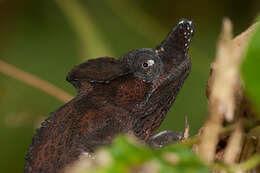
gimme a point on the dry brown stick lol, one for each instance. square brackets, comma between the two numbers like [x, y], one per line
[225, 93]
[217, 110]
[34, 81]
[187, 129]
[234, 145]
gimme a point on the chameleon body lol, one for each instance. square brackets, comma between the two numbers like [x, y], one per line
[127, 95]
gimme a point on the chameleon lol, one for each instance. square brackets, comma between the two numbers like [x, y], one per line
[131, 94]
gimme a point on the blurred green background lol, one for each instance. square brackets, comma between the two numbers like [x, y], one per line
[47, 38]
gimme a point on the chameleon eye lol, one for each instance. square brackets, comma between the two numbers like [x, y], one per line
[148, 63]
[145, 65]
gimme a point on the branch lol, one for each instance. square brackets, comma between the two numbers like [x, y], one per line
[34, 81]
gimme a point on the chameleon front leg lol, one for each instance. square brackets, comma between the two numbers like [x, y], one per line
[167, 137]
[164, 137]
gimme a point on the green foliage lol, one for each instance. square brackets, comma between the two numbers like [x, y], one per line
[38, 38]
[127, 155]
[250, 68]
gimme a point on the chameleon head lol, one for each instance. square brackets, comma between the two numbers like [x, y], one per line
[168, 62]
[164, 68]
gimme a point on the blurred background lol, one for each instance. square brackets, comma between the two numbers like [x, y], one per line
[47, 38]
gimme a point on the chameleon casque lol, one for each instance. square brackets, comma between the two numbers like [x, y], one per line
[127, 95]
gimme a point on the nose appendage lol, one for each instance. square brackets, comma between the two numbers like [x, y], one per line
[185, 33]
[177, 42]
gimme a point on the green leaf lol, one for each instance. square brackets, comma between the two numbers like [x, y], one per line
[250, 68]
[129, 155]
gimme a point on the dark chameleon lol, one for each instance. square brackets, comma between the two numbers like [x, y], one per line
[127, 95]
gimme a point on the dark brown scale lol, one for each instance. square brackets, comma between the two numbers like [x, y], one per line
[114, 96]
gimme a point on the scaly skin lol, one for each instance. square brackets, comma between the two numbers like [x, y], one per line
[129, 95]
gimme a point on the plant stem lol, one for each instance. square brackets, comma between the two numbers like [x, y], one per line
[34, 81]
[247, 165]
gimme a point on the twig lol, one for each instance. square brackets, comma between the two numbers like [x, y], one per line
[196, 139]
[220, 166]
[191, 141]
[34, 81]
[234, 145]
[187, 129]
[217, 110]
[244, 166]
[251, 163]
